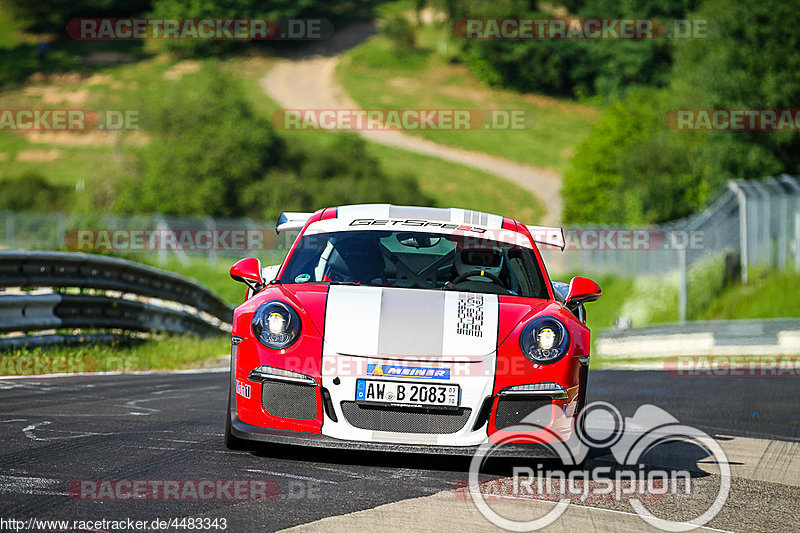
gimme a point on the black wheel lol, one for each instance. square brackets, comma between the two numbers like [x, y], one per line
[232, 442]
[580, 421]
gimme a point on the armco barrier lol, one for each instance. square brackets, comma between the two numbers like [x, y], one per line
[200, 311]
[729, 337]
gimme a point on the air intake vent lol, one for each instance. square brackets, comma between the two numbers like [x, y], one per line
[405, 419]
[289, 400]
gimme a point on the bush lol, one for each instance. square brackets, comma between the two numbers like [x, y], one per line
[749, 62]
[30, 191]
[398, 29]
[343, 173]
[207, 145]
[574, 67]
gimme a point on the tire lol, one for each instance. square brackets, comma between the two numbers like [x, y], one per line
[584, 382]
[232, 442]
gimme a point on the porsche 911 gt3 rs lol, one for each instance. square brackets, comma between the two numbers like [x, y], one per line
[407, 329]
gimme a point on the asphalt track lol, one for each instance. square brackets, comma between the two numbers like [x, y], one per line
[169, 427]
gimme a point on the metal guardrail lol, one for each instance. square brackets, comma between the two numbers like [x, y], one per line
[31, 313]
[85, 271]
[779, 336]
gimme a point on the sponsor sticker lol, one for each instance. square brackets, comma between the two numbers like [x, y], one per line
[408, 371]
[242, 389]
[302, 278]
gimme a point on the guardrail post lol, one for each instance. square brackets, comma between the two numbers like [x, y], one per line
[797, 241]
[741, 199]
[162, 229]
[682, 289]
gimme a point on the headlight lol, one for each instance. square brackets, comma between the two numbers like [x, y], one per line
[544, 340]
[276, 325]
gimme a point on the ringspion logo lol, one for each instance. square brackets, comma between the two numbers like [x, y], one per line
[599, 425]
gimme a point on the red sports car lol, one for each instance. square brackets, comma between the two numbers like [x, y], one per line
[409, 329]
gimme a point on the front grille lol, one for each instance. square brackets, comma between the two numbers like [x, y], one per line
[512, 410]
[405, 419]
[289, 400]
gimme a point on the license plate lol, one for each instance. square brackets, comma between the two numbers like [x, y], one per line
[401, 393]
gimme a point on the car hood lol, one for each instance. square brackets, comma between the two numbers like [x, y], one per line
[413, 323]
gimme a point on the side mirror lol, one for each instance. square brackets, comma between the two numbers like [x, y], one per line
[581, 291]
[248, 271]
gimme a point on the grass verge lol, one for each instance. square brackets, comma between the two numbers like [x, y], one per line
[170, 352]
[378, 76]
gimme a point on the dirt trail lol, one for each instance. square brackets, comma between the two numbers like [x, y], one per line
[309, 82]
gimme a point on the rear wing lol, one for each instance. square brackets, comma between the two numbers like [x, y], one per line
[547, 235]
[292, 221]
[550, 236]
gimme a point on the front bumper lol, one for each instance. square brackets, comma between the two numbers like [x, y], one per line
[317, 440]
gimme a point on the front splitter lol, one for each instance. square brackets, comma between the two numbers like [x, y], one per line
[316, 440]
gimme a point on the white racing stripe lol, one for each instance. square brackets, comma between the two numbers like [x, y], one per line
[375, 333]
[393, 322]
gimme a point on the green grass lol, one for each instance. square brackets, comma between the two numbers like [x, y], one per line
[213, 276]
[161, 353]
[650, 300]
[767, 295]
[376, 76]
[602, 314]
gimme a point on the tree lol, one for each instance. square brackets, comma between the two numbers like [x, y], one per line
[749, 61]
[207, 145]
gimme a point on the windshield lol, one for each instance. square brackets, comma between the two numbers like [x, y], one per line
[416, 260]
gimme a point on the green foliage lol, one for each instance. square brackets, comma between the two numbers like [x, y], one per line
[574, 67]
[30, 191]
[630, 170]
[343, 173]
[348, 11]
[207, 144]
[400, 31]
[706, 280]
[749, 61]
[210, 154]
[765, 296]
[52, 16]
